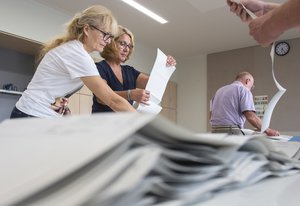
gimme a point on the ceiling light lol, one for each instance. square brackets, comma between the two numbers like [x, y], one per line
[145, 11]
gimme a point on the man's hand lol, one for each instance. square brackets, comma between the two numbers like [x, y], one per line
[257, 7]
[272, 132]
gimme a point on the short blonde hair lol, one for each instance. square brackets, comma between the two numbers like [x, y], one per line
[110, 51]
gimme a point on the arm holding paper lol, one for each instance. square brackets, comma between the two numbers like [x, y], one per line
[163, 68]
[273, 19]
[255, 121]
[141, 84]
[233, 104]
[142, 80]
[140, 94]
[259, 8]
[124, 80]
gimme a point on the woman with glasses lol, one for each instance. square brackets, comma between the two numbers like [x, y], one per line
[65, 65]
[125, 80]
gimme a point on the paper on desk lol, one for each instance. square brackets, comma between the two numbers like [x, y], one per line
[131, 176]
[157, 83]
[288, 148]
[282, 138]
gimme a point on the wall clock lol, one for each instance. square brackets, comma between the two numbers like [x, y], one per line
[282, 48]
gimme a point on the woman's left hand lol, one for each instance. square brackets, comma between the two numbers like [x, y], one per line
[170, 61]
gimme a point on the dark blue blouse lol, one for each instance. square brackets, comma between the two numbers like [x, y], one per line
[129, 82]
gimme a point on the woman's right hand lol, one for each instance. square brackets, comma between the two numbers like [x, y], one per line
[140, 96]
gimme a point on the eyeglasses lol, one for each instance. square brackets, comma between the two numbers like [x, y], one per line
[106, 36]
[123, 44]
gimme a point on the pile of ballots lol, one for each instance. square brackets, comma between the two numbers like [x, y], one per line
[127, 159]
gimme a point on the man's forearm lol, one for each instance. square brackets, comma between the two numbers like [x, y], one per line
[285, 17]
[269, 6]
[253, 119]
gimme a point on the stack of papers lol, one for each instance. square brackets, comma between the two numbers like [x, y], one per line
[102, 160]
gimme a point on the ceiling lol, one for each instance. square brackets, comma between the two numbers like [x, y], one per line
[195, 26]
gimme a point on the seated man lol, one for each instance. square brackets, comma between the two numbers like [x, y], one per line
[233, 104]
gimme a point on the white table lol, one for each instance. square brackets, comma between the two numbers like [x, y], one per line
[283, 191]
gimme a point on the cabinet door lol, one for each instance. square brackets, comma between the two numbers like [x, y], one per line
[85, 90]
[81, 102]
[170, 114]
[86, 102]
[74, 103]
[169, 102]
[169, 99]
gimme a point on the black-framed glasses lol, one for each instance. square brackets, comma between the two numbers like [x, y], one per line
[123, 44]
[106, 36]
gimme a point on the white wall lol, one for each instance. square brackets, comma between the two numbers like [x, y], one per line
[191, 97]
[143, 57]
[31, 20]
[8, 101]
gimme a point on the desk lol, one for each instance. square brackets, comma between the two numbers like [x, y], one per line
[283, 191]
[295, 139]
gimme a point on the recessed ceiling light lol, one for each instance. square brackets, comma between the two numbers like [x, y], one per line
[145, 11]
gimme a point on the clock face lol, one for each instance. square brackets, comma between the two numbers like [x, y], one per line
[282, 48]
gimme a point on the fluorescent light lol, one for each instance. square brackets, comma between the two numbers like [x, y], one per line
[145, 11]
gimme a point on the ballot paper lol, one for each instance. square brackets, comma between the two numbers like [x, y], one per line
[42, 151]
[251, 14]
[100, 160]
[289, 148]
[268, 113]
[157, 84]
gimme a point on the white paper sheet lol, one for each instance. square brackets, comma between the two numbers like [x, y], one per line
[157, 83]
[110, 165]
[288, 148]
[36, 152]
[153, 108]
[268, 113]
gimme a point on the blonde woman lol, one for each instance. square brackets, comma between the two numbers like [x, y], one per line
[66, 65]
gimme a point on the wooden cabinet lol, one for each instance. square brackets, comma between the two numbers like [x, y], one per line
[74, 103]
[170, 114]
[81, 102]
[169, 102]
[169, 99]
